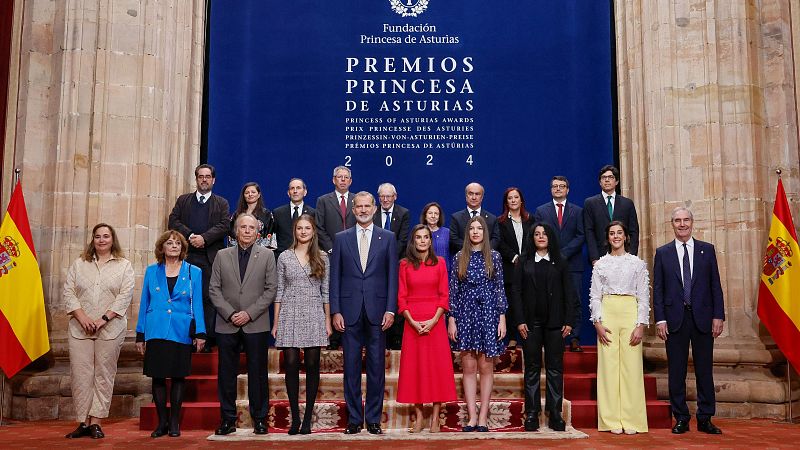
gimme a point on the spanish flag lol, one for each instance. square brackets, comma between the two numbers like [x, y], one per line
[23, 325]
[779, 292]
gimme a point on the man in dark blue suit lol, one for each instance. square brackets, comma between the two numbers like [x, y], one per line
[363, 300]
[567, 220]
[689, 309]
[458, 221]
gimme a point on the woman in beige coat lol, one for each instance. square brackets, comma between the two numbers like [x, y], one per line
[97, 294]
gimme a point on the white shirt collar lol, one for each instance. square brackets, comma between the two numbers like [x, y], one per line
[689, 243]
[299, 206]
[369, 228]
[562, 202]
[538, 258]
[384, 211]
[469, 210]
[207, 195]
[339, 195]
[612, 195]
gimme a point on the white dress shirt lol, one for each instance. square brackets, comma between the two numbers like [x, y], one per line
[206, 196]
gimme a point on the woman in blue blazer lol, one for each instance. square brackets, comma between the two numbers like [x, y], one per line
[170, 323]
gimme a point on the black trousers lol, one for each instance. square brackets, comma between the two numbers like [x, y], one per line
[677, 346]
[209, 312]
[255, 347]
[549, 339]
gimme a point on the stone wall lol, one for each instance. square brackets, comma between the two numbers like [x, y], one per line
[106, 128]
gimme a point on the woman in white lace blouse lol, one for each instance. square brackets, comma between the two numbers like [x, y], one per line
[619, 300]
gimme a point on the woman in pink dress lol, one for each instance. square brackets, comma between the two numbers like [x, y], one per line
[426, 364]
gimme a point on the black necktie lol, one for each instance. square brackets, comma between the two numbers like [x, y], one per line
[474, 213]
[244, 258]
[295, 214]
[687, 277]
[202, 199]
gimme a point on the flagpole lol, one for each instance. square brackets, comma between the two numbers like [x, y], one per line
[3, 382]
[17, 172]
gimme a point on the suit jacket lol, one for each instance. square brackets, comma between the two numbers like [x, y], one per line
[218, 221]
[458, 226]
[595, 220]
[229, 293]
[570, 233]
[329, 218]
[167, 316]
[508, 247]
[400, 226]
[283, 225]
[374, 289]
[562, 302]
[706, 297]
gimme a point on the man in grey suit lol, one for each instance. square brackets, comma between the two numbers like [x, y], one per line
[334, 210]
[243, 285]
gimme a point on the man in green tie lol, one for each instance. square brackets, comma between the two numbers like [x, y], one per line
[599, 210]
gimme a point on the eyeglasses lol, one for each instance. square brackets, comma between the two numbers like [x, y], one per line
[204, 177]
[559, 186]
[608, 177]
[386, 197]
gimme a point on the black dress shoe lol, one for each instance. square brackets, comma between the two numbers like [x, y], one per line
[81, 431]
[95, 432]
[575, 346]
[259, 427]
[556, 423]
[225, 428]
[306, 428]
[532, 422]
[681, 426]
[707, 427]
[161, 430]
[353, 428]
[374, 428]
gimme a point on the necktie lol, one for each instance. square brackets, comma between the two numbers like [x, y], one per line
[687, 277]
[610, 209]
[202, 199]
[560, 215]
[387, 223]
[474, 213]
[295, 214]
[363, 249]
[343, 211]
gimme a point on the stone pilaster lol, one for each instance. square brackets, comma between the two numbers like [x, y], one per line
[707, 113]
[107, 130]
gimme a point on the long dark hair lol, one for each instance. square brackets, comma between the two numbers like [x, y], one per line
[413, 255]
[522, 212]
[624, 230]
[552, 243]
[466, 250]
[315, 260]
[242, 205]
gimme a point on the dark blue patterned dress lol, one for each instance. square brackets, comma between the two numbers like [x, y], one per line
[476, 304]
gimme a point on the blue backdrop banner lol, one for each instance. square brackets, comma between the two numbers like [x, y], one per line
[426, 94]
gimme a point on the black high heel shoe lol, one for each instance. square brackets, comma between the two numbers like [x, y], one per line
[161, 430]
[294, 429]
[175, 431]
[306, 428]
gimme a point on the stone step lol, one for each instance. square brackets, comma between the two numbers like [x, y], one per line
[504, 415]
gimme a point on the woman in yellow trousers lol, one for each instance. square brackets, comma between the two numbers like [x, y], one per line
[619, 300]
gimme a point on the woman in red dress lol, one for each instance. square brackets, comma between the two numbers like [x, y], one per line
[426, 363]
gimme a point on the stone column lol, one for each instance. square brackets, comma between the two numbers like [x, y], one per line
[707, 108]
[108, 130]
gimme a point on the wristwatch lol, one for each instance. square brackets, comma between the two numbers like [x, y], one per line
[105, 317]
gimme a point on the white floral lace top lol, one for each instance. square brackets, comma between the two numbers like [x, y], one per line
[620, 275]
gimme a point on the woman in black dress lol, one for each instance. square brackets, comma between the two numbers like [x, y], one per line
[543, 307]
[251, 201]
[170, 322]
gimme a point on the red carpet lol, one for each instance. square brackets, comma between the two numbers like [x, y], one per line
[201, 409]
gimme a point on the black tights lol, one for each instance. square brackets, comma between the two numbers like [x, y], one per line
[291, 358]
[175, 401]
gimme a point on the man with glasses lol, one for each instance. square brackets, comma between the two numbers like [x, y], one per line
[392, 217]
[334, 211]
[202, 218]
[601, 209]
[567, 220]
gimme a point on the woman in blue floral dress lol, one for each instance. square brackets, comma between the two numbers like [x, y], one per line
[477, 323]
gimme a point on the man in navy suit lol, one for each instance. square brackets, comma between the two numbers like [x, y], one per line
[689, 309]
[567, 220]
[458, 221]
[363, 301]
[601, 209]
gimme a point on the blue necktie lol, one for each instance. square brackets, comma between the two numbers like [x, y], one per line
[387, 224]
[687, 277]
